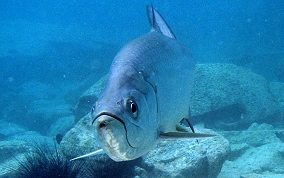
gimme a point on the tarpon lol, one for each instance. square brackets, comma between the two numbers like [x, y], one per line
[147, 94]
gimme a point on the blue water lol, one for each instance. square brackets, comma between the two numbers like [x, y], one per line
[237, 31]
[49, 48]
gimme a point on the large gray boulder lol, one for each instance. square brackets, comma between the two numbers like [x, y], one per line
[230, 97]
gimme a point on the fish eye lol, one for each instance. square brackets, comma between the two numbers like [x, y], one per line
[132, 107]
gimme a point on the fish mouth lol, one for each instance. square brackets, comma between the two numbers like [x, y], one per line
[113, 116]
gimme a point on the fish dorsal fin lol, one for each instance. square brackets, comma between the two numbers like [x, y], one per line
[158, 23]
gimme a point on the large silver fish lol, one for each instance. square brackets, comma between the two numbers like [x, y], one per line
[147, 95]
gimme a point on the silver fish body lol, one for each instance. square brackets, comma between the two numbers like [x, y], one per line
[147, 94]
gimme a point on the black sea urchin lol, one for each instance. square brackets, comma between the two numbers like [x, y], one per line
[43, 162]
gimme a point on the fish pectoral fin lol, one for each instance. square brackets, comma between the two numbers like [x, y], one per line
[183, 135]
[97, 152]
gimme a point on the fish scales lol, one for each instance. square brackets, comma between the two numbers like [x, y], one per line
[168, 65]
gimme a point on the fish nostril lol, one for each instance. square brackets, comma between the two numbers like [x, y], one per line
[102, 124]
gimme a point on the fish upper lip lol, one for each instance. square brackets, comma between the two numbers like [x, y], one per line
[116, 118]
[108, 114]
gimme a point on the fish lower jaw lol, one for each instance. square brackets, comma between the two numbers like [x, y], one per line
[113, 147]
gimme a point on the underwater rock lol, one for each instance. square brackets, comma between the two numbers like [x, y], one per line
[80, 140]
[174, 158]
[277, 89]
[42, 113]
[265, 158]
[280, 135]
[37, 90]
[8, 129]
[225, 96]
[256, 135]
[89, 98]
[237, 150]
[62, 125]
[255, 150]
[20, 142]
[9, 149]
[33, 137]
[36, 105]
[234, 95]
[264, 175]
[17, 144]
[201, 158]
[38, 159]
[15, 139]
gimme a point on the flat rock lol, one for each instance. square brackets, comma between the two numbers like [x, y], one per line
[256, 152]
[256, 135]
[254, 175]
[187, 158]
[264, 175]
[237, 150]
[256, 160]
